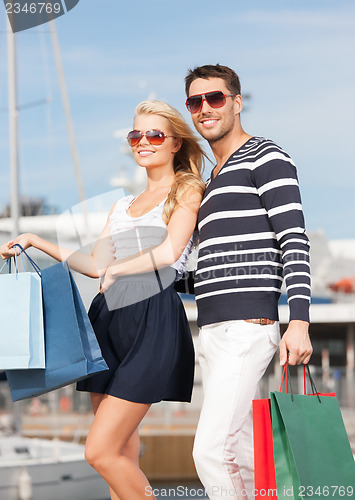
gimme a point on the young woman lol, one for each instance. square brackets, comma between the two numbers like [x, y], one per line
[138, 317]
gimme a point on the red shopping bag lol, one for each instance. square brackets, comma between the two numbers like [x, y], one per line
[264, 465]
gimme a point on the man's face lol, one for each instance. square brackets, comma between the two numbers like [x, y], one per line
[214, 124]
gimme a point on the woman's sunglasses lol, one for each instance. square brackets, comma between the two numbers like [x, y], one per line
[154, 137]
[215, 99]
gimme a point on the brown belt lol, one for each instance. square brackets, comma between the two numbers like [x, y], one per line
[260, 321]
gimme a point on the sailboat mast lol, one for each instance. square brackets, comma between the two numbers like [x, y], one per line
[70, 127]
[13, 129]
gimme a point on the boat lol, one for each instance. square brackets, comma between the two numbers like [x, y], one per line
[40, 469]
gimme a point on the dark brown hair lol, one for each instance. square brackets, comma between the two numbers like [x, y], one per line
[229, 76]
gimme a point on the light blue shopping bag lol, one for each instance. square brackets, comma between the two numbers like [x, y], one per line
[21, 320]
[72, 350]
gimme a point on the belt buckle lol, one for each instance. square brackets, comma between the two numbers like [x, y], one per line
[263, 321]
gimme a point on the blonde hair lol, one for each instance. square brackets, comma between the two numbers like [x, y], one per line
[188, 161]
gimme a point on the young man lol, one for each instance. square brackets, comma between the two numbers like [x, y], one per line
[251, 237]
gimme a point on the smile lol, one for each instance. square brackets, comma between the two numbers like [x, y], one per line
[209, 123]
[145, 152]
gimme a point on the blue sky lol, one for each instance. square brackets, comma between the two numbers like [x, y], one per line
[295, 58]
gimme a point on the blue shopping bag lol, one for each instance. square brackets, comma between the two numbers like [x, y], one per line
[72, 350]
[21, 320]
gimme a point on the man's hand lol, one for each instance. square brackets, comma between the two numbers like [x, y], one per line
[296, 341]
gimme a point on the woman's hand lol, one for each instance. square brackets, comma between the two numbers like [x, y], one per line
[108, 280]
[7, 251]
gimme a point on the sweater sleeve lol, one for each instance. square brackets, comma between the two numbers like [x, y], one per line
[275, 177]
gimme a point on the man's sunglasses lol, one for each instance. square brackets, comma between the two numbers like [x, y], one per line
[215, 99]
[154, 137]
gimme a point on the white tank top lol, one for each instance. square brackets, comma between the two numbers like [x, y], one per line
[131, 235]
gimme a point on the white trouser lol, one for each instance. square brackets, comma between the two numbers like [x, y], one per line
[233, 357]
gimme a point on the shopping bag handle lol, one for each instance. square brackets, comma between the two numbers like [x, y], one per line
[8, 263]
[286, 377]
[32, 262]
[313, 385]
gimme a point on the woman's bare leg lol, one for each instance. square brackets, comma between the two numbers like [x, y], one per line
[132, 448]
[107, 450]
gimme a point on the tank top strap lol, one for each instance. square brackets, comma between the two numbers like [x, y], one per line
[134, 199]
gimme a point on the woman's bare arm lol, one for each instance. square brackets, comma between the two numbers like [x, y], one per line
[179, 231]
[93, 265]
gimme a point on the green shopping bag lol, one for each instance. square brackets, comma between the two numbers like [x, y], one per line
[313, 458]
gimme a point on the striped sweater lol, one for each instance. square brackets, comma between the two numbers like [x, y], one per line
[251, 238]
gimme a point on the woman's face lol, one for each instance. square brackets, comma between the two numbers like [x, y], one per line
[147, 155]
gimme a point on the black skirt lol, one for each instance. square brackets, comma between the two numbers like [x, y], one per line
[146, 344]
